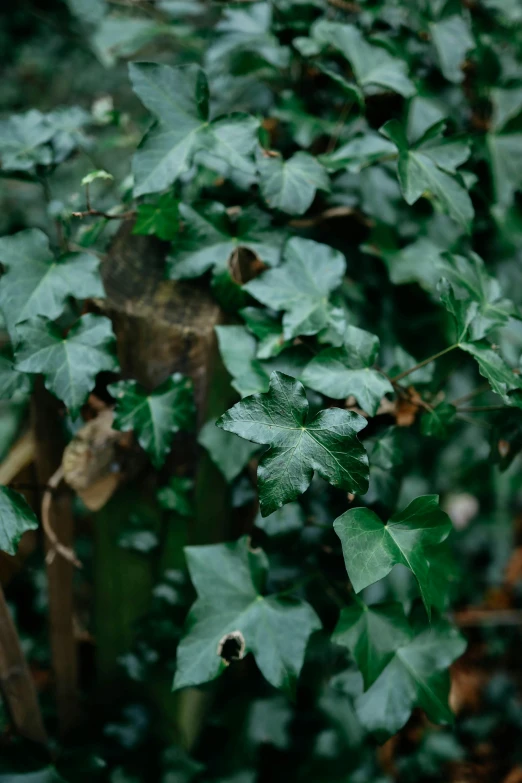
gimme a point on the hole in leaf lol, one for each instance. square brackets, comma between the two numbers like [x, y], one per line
[231, 647]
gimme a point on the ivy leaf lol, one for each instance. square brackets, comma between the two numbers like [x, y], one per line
[301, 286]
[386, 456]
[156, 416]
[452, 40]
[14, 385]
[290, 185]
[492, 366]
[268, 330]
[178, 97]
[429, 167]
[287, 519]
[36, 284]
[371, 549]
[359, 152]
[472, 283]
[160, 217]
[238, 350]
[24, 141]
[416, 676]
[177, 496]
[69, 364]
[505, 160]
[346, 371]
[15, 519]
[328, 444]
[436, 423]
[210, 238]
[232, 617]
[372, 634]
[228, 453]
[373, 66]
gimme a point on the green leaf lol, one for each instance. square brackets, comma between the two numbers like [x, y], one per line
[156, 416]
[386, 455]
[14, 385]
[177, 496]
[429, 167]
[287, 519]
[92, 176]
[372, 634]
[24, 141]
[301, 286]
[210, 238]
[228, 453]
[492, 366]
[290, 185]
[232, 617]
[416, 676]
[160, 217]
[505, 160]
[178, 98]
[436, 423]
[15, 519]
[359, 152]
[328, 444]
[452, 40]
[373, 66]
[472, 283]
[238, 350]
[268, 330]
[347, 371]
[69, 364]
[36, 284]
[371, 548]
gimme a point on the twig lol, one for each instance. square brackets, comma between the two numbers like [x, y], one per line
[56, 547]
[475, 617]
[338, 126]
[481, 408]
[345, 5]
[98, 213]
[328, 214]
[418, 366]
[484, 387]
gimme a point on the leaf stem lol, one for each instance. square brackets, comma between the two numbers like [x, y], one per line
[98, 213]
[418, 366]
[484, 387]
[482, 408]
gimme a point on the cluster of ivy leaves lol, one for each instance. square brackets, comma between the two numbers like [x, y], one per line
[345, 178]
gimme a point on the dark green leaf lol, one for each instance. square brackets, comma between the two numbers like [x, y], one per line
[159, 217]
[238, 350]
[371, 548]
[291, 185]
[228, 453]
[436, 423]
[36, 284]
[210, 238]
[268, 330]
[177, 496]
[328, 444]
[492, 366]
[347, 371]
[69, 364]
[287, 519]
[232, 617]
[373, 66]
[178, 98]
[429, 168]
[452, 40]
[156, 416]
[301, 285]
[416, 676]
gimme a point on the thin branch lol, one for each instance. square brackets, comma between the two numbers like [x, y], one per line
[107, 215]
[345, 5]
[468, 618]
[481, 408]
[328, 214]
[418, 366]
[484, 387]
